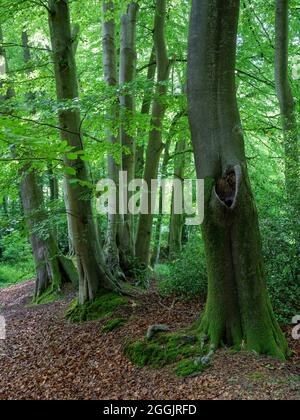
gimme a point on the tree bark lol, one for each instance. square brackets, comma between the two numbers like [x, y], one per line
[110, 75]
[128, 57]
[155, 145]
[287, 103]
[93, 273]
[177, 220]
[238, 310]
[52, 268]
[145, 110]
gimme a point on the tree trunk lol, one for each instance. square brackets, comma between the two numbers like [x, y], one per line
[110, 74]
[69, 218]
[287, 103]
[52, 268]
[54, 194]
[155, 145]
[238, 310]
[177, 220]
[93, 274]
[53, 184]
[145, 110]
[127, 101]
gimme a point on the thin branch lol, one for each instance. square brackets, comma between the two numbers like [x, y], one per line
[11, 44]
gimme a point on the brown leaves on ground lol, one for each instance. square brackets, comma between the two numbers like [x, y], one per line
[46, 357]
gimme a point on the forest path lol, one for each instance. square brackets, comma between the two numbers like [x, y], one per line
[46, 357]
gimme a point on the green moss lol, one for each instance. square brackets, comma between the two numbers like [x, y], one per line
[164, 350]
[257, 377]
[101, 307]
[188, 367]
[48, 296]
[112, 324]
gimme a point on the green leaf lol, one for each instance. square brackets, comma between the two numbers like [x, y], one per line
[69, 170]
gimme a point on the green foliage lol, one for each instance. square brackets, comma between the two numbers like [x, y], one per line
[15, 248]
[16, 262]
[186, 276]
[140, 274]
[166, 349]
[281, 251]
[13, 274]
[113, 324]
[101, 307]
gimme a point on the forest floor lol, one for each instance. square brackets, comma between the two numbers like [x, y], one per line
[46, 357]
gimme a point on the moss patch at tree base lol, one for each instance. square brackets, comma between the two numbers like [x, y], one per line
[113, 324]
[101, 307]
[181, 352]
[48, 296]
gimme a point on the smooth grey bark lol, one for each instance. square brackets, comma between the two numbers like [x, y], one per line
[177, 220]
[75, 28]
[93, 273]
[115, 221]
[155, 144]
[287, 103]
[128, 57]
[238, 310]
[145, 110]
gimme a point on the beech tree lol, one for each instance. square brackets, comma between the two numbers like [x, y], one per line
[93, 273]
[52, 268]
[111, 78]
[238, 310]
[128, 58]
[287, 103]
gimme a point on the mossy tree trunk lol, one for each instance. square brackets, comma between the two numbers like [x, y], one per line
[93, 273]
[238, 310]
[52, 268]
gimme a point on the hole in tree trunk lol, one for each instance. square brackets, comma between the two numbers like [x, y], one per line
[226, 188]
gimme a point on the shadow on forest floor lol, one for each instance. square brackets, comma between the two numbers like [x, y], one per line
[47, 357]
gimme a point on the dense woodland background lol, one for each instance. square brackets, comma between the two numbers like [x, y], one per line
[129, 85]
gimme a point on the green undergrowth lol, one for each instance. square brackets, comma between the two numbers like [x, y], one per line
[181, 352]
[113, 324]
[13, 274]
[103, 306]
